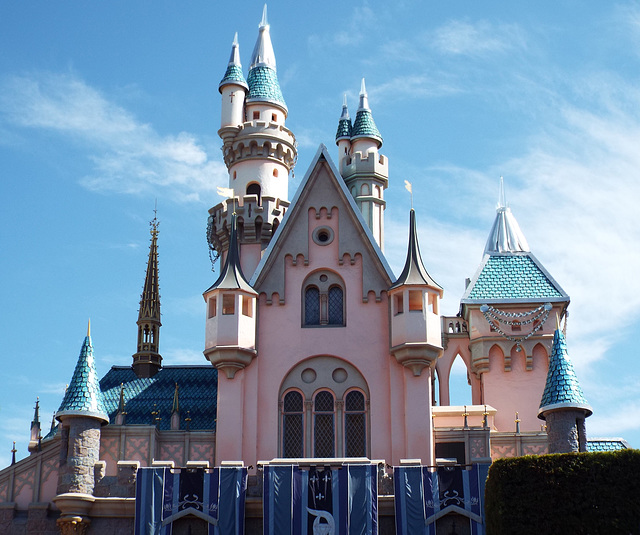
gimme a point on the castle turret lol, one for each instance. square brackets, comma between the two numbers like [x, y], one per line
[506, 307]
[563, 404]
[230, 339]
[81, 414]
[364, 170]
[147, 360]
[416, 343]
[259, 152]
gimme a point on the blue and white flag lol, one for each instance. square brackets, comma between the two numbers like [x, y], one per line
[164, 495]
[424, 495]
[320, 501]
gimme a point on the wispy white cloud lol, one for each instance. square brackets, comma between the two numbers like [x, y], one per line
[479, 38]
[128, 156]
[184, 356]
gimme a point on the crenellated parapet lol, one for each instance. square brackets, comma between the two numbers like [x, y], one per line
[258, 140]
[371, 163]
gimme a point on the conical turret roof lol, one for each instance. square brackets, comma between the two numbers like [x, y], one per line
[263, 79]
[562, 389]
[83, 396]
[414, 271]
[234, 75]
[231, 277]
[505, 235]
[364, 125]
[344, 124]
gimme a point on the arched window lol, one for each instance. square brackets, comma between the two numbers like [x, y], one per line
[292, 425]
[336, 306]
[324, 425]
[323, 300]
[254, 189]
[355, 425]
[312, 306]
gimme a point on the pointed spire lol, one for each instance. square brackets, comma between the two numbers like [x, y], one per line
[147, 360]
[505, 235]
[36, 413]
[233, 74]
[83, 396]
[13, 453]
[231, 276]
[562, 389]
[364, 126]
[53, 422]
[414, 271]
[263, 79]
[344, 123]
[176, 401]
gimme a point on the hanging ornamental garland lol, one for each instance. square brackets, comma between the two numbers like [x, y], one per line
[495, 317]
[213, 254]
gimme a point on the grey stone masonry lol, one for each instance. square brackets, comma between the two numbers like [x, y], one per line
[79, 453]
[566, 431]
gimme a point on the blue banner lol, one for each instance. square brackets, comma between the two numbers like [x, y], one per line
[165, 495]
[424, 495]
[320, 501]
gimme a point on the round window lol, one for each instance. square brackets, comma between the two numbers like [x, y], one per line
[323, 235]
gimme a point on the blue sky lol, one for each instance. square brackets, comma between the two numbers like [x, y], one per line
[106, 107]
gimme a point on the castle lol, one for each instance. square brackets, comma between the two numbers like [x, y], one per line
[317, 355]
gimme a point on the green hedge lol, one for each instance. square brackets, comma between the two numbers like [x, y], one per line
[565, 494]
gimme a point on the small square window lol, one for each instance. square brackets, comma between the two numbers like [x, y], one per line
[415, 300]
[228, 304]
[256, 115]
[274, 117]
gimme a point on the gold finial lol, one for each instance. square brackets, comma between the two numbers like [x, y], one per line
[89, 327]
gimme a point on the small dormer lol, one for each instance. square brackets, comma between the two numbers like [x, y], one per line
[230, 340]
[416, 334]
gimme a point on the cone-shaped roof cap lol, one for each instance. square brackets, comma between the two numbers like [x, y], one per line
[83, 396]
[344, 124]
[414, 271]
[562, 389]
[364, 125]
[505, 235]
[233, 74]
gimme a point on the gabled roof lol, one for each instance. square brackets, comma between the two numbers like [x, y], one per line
[366, 240]
[562, 389]
[414, 272]
[231, 276]
[83, 396]
[512, 277]
[198, 396]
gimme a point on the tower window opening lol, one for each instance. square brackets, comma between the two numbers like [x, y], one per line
[433, 303]
[228, 304]
[275, 173]
[415, 300]
[274, 118]
[254, 189]
[256, 115]
[398, 304]
[247, 308]
[235, 174]
[212, 307]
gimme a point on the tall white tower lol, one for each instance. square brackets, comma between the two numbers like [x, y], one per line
[259, 151]
[364, 170]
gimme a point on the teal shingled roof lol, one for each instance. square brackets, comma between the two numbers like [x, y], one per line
[233, 75]
[562, 389]
[198, 390]
[364, 126]
[344, 129]
[83, 396]
[512, 276]
[264, 86]
[607, 444]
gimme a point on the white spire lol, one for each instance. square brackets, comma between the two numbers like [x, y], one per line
[263, 55]
[235, 52]
[505, 235]
[364, 99]
[345, 109]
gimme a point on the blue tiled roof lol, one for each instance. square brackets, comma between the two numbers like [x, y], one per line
[83, 395]
[344, 129]
[364, 126]
[198, 393]
[512, 276]
[607, 444]
[263, 85]
[562, 388]
[233, 75]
